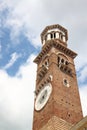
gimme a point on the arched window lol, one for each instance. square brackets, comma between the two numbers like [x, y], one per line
[46, 63]
[51, 35]
[60, 36]
[62, 61]
[66, 63]
[58, 59]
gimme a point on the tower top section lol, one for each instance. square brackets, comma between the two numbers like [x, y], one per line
[54, 32]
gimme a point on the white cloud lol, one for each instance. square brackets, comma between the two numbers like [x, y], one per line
[83, 95]
[83, 75]
[22, 18]
[16, 97]
[14, 57]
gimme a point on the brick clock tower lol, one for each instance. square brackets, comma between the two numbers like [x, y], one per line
[57, 103]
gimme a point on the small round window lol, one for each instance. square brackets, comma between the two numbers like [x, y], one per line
[66, 82]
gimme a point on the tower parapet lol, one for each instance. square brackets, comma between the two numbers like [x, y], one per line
[54, 32]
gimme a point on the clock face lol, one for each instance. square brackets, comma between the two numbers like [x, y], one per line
[43, 97]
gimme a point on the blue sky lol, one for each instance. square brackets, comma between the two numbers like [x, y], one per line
[21, 23]
[14, 52]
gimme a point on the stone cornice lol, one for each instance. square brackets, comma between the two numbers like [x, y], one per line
[56, 44]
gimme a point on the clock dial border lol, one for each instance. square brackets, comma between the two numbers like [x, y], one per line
[43, 97]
